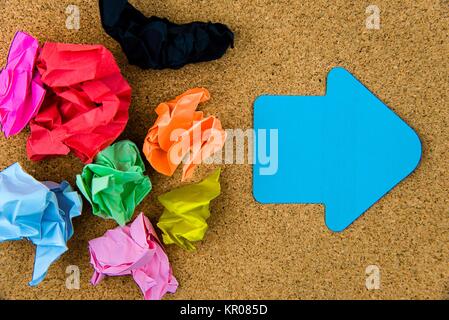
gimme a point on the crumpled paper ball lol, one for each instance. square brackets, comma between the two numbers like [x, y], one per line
[186, 211]
[182, 134]
[21, 89]
[156, 43]
[39, 212]
[86, 105]
[115, 183]
[134, 250]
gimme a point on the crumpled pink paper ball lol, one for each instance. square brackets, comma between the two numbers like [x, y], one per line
[21, 89]
[134, 250]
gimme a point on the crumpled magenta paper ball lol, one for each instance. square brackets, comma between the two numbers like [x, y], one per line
[134, 250]
[39, 212]
[86, 105]
[21, 89]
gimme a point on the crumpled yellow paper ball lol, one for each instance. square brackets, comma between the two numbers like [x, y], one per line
[186, 211]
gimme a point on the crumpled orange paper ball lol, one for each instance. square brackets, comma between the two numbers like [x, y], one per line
[182, 134]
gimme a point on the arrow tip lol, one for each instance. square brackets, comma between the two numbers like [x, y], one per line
[377, 150]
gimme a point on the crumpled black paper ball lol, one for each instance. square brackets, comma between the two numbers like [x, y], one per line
[156, 43]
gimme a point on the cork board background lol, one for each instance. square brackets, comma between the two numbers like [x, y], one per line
[254, 251]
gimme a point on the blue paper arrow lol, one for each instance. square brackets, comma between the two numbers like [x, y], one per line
[345, 150]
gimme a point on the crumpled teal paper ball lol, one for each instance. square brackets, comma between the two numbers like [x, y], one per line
[115, 183]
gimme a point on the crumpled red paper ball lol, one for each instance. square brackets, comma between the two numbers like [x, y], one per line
[86, 105]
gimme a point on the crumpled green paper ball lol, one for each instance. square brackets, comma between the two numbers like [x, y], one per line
[115, 183]
[186, 211]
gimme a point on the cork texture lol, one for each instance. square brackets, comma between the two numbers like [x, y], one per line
[254, 251]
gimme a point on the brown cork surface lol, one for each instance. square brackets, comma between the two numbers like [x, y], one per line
[255, 251]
